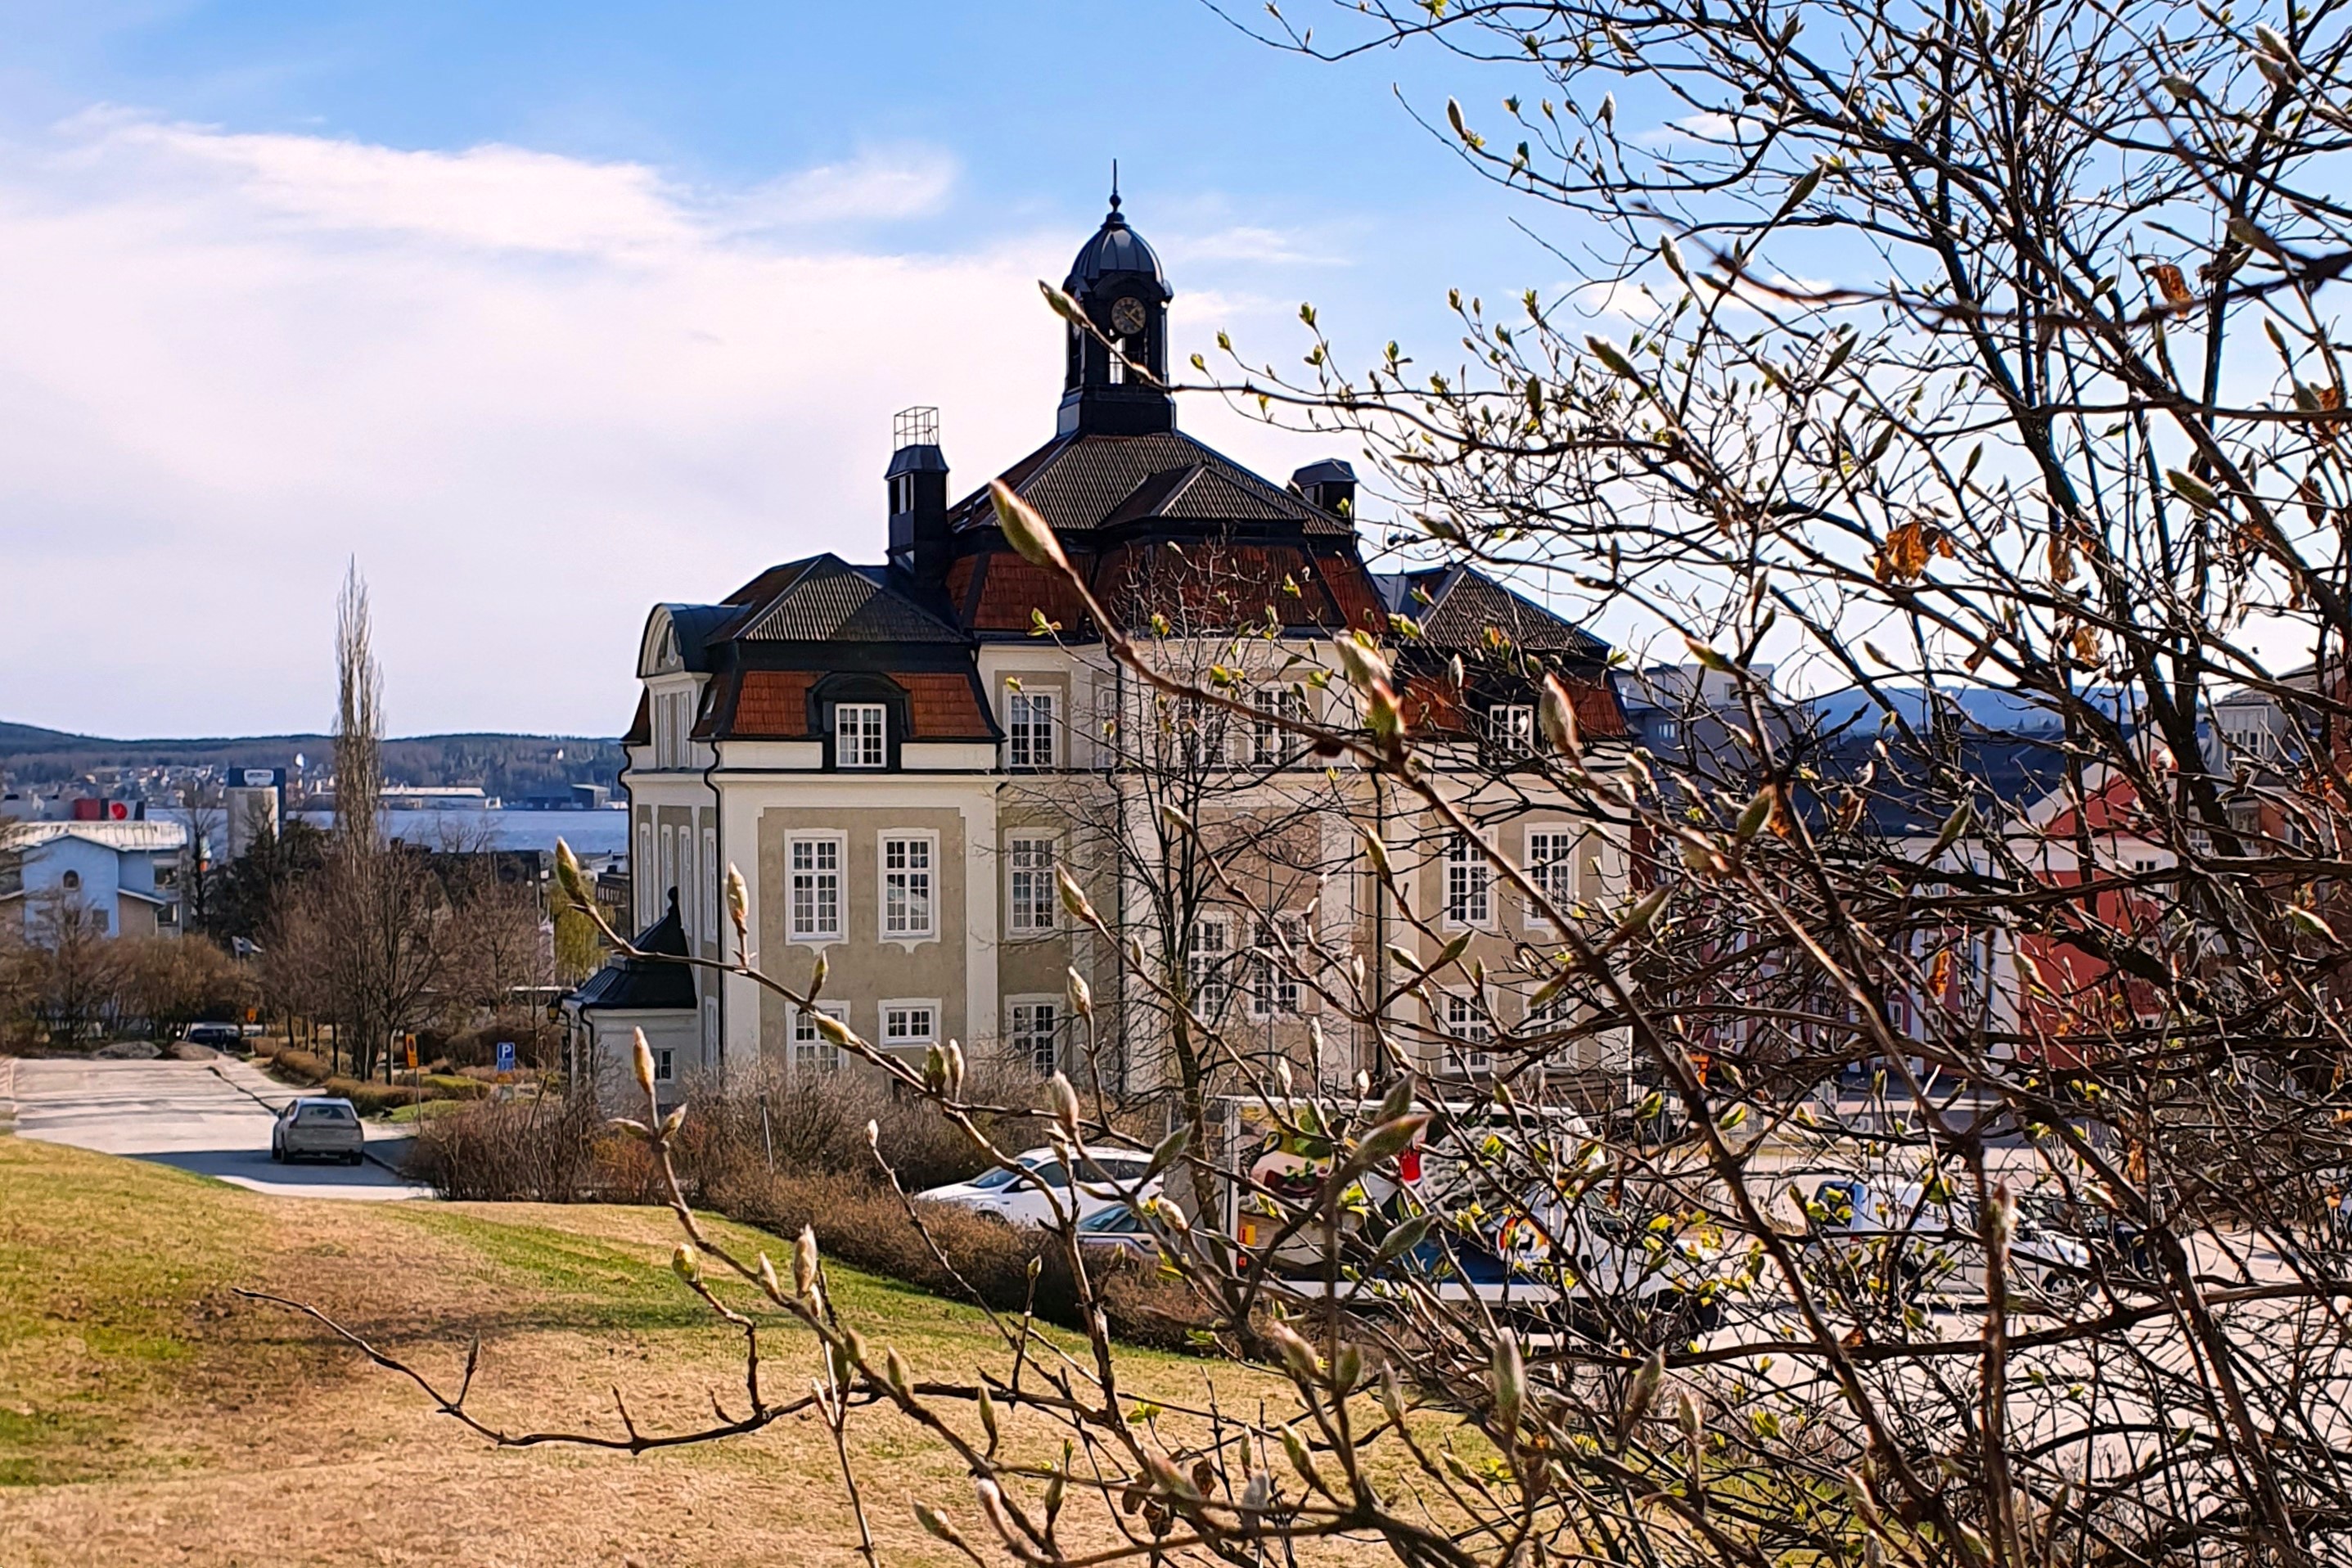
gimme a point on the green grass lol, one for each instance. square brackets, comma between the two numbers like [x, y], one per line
[104, 1264]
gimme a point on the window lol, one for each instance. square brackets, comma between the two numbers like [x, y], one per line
[811, 1052]
[1511, 727]
[711, 932]
[98, 921]
[1664, 731]
[1551, 865]
[668, 865]
[1270, 744]
[1034, 1033]
[908, 1024]
[1204, 967]
[907, 885]
[1468, 1031]
[167, 914]
[688, 909]
[1274, 989]
[665, 1065]
[857, 729]
[642, 872]
[1469, 885]
[1032, 892]
[70, 881]
[816, 890]
[1029, 729]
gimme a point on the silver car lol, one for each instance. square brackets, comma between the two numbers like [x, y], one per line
[321, 1127]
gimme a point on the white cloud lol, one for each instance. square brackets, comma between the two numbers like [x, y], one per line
[878, 183]
[1244, 242]
[531, 393]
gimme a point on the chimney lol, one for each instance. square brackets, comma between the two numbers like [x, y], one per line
[1329, 484]
[917, 480]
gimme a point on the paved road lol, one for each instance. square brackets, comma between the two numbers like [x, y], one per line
[211, 1117]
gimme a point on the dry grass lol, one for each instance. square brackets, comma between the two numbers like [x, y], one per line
[147, 1415]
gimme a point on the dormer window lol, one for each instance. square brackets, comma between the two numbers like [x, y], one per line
[859, 739]
[1511, 727]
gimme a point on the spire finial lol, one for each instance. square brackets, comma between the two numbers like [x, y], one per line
[1113, 185]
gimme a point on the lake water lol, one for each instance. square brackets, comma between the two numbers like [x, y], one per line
[588, 832]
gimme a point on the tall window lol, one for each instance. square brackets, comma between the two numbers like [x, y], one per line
[1511, 727]
[906, 886]
[1030, 892]
[1034, 1034]
[711, 885]
[688, 904]
[1270, 744]
[1029, 725]
[1275, 990]
[909, 1023]
[858, 735]
[816, 890]
[1551, 865]
[642, 875]
[1469, 885]
[811, 1052]
[1206, 965]
[1468, 1031]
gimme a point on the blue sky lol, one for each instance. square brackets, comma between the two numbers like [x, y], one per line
[548, 311]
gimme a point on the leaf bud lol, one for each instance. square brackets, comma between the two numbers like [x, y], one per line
[1026, 530]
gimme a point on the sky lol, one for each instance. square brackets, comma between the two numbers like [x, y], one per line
[544, 313]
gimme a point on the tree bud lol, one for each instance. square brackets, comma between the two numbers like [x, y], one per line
[644, 1062]
[1026, 530]
[805, 1261]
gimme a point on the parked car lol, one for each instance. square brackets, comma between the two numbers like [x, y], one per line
[1119, 1229]
[1931, 1247]
[1019, 1198]
[219, 1037]
[320, 1128]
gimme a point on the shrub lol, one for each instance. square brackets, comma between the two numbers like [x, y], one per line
[540, 1149]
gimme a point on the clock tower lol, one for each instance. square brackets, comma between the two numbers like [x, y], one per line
[1117, 280]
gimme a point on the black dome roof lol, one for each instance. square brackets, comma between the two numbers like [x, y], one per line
[1114, 247]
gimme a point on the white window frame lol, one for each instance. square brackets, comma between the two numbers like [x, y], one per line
[906, 877]
[1552, 867]
[811, 1052]
[1021, 1035]
[689, 905]
[1209, 972]
[665, 1064]
[1275, 992]
[904, 1005]
[668, 869]
[1271, 745]
[814, 933]
[1511, 727]
[1466, 1025]
[1043, 896]
[855, 724]
[1466, 886]
[1030, 718]
[710, 929]
[643, 869]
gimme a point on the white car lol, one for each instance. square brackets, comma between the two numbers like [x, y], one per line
[1940, 1245]
[317, 1127]
[1020, 1198]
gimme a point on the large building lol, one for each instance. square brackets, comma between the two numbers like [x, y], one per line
[897, 755]
[112, 877]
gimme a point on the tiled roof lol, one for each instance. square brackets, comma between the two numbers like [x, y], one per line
[1464, 604]
[1081, 482]
[829, 600]
[772, 705]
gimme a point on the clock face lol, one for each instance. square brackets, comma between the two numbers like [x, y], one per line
[1127, 316]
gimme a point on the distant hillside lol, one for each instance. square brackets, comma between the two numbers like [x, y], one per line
[509, 766]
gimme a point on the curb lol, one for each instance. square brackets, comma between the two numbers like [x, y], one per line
[7, 1095]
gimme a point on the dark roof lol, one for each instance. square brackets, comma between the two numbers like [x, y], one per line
[1085, 482]
[1463, 603]
[825, 599]
[1114, 247]
[643, 983]
[694, 625]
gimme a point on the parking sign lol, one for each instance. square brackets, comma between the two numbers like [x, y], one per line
[506, 1056]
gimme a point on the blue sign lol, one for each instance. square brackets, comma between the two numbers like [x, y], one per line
[506, 1056]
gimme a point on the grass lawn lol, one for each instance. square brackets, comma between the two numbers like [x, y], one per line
[149, 1416]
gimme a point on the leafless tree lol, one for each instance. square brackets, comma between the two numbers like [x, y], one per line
[1978, 1198]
